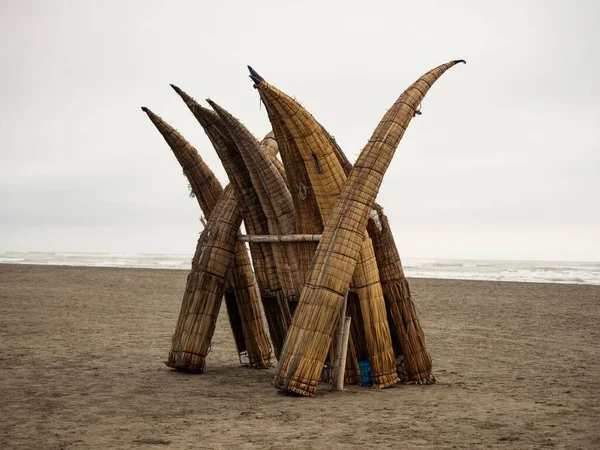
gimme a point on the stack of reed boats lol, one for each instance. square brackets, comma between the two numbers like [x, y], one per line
[321, 249]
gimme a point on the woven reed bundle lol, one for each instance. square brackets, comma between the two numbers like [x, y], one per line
[277, 293]
[201, 178]
[242, 300]
[377, 235]
[275, 303]
[310, 335]
[274, 197]
[416, 359]
[327, 178]
[206, 285]
[276, 300]
[405, 327]
[308, 218]
[269, 146]
[248, 300]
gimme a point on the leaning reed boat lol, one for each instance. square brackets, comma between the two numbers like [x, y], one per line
[327, 178]
[308, 221]
[335, 260]
[275, 303]
[308, 218]
[413, 360]
[206, 285]
[241, 295]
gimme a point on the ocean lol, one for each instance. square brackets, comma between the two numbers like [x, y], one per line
[461, 269]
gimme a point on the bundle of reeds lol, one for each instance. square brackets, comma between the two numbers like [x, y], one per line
[308, 218]
[327, 177]
[414, 360]
[375, 238]
[241, 296]
[269, 146]
[206, 285]
[334, 263]
[275, 303]
[274, 197]
[412, 356]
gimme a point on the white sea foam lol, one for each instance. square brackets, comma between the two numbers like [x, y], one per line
[8, 260]
[526, 271]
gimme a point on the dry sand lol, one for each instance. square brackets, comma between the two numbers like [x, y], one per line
[82, 351]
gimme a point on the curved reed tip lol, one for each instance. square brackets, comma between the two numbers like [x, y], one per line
[456, 61]
[254, 76]
[146, 110]
[210, 102]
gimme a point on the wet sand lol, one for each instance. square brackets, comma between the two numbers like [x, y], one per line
[82, 351]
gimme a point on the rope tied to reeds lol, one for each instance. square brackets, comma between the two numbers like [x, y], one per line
[302, 191]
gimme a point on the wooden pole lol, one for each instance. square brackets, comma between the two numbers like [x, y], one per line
[279, 237]
[340, 351]
[339, 374]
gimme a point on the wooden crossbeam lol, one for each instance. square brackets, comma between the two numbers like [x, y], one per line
[279, 237]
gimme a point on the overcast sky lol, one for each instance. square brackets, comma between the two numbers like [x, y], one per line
[503, 164]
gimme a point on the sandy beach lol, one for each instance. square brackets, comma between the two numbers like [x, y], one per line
[82, 351]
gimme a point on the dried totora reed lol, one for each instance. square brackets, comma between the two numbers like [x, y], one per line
[274, 301]
[313, 325]
[241, 296]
